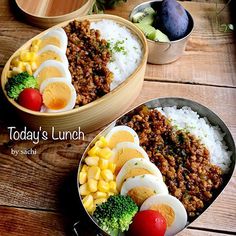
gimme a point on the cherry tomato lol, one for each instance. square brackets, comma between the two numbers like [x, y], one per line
[148, 223]
[30, 98]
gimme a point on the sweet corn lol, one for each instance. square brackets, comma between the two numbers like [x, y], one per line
[25, 56]
[84, 168]
[105, 153]
[102, 142]
[94, 151]
[93, 185]
[107, 175]
[34, 48]
[36, 42]
[33, 65]
[10, 74]
[110, 194]
[16, 70]
[83, 189]
[100, 201]
[99, 194]
[82, 177]
[91, 208]
[103, 186]
[88, 201]
[15, 61]
[91, 161]
[94, 172]
[112, 166]
[103, 163]
[28, 69]
[112, 185]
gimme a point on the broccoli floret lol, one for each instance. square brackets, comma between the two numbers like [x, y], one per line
[18, 83]
[115, 214]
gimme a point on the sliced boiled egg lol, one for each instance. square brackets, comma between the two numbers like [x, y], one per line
[135, 167]
[56, 37]
[58, 95]
[141, 187]
[171, 209]
[125, 151]
[120, 134]
[51, 52]
[50, 69]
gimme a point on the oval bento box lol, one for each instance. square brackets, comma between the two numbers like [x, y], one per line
[152, 104]
[48, 13]
[97, 113]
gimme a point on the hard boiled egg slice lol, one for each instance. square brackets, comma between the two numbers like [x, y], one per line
[51, 52]
[141, 187]
[58, 95]
[125, 151]
[171, 209]
[56, 37]
[120, 134]
[135, 167]
[50, 69]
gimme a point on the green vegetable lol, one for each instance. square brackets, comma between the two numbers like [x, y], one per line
[18, 83]
[157, 35]
[148, 13]
[116, 214]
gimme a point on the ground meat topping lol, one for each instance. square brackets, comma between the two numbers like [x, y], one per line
[183, 161]
[88, 56]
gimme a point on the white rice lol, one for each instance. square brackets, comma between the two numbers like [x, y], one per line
[210, 136]
[126, 49]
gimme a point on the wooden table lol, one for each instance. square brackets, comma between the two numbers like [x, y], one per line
[38, 193]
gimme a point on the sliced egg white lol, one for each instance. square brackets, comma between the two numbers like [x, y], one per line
[141, 187]
[125, 151]
[120, 134]
[56, 37]
[171, 209]
[135, 167]
[58, 95]
[51, 52]
[50, 69]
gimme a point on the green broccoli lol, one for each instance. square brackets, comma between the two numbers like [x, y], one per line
[115, 214]
[18, 83]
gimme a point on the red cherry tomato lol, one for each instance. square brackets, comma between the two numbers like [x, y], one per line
[30, 98]
[148, 223]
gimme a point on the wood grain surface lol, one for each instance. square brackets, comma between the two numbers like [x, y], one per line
[38, 193]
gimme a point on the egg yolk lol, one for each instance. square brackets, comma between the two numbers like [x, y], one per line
[140, 194]
[47, 55]
[48, 72]
[124, 155]
[135, 172]
[166, 211]
[56, 95]
[50, 41]
[120, 136]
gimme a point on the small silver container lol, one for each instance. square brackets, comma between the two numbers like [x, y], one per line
[164, 52]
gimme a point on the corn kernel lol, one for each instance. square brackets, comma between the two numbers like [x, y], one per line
[15, 61]
[102, 142]
[100, 201]
[34, 48]
[103, 163]
[91, 161]
[33, 65]
[24, 56]
[91, 208]
[103, 186]
[84, 168]
[112, 166]
[28, 69]
[82, 177]
[83, 189]
[10, 74]
[99, 194]
[94, 172]
[88, 201]
[110, 194]
[107, 175]
[105, 153]
[16, 70]
[112, 185]
[36, 42]
[93, 151]
[93, 185]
